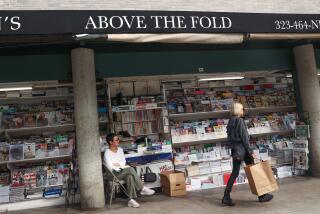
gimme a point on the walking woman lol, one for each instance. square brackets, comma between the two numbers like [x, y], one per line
[238, 136]
[115, 161]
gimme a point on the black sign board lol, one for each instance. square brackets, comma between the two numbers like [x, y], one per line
[117, 21]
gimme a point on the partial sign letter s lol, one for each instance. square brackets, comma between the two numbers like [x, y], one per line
[15, 21]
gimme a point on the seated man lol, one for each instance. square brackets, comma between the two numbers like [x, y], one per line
[115, 161]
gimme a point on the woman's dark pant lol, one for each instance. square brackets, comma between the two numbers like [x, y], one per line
[235, 171]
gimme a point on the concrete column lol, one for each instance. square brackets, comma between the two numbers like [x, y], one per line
[87, 128]
[310, 97]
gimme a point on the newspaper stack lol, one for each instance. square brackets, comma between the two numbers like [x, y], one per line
[63, 91]
[4, 194]
[217, 180]
[11, 94]
[51, 92]
[16, 193]
[36, 93]
[284, 171]
[3, 94]
[215, 166]
[26, 93]
[204, 168]
[34, 193]
[226, 165]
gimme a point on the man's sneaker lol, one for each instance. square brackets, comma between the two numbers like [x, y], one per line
[133, 203]
[147, 191]
[265, 198]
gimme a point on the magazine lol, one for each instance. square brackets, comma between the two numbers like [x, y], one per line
[30, 178]
[29, 150]
[30, 120]
[16, 152]
[4, 152]
[4, 178]
[51, 118]
[17, 178]
[41, 149]
[41, 119]
[63, 143]
[52, 176]
[41, 176]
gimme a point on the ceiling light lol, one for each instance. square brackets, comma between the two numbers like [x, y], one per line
[80, 36]
[290, 75]
[15, 89]
[89, 36]
[222, 78]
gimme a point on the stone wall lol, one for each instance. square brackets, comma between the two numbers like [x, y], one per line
[260, 6]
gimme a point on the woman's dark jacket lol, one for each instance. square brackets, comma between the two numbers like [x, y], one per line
[238, 135]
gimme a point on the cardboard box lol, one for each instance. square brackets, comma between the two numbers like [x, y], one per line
[173, 183]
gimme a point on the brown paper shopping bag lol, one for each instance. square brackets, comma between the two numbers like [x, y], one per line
[261, 178]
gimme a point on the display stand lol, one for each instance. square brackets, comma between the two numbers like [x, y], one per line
[301, 150]
[138, 115]
[39, 135]
[199, 111]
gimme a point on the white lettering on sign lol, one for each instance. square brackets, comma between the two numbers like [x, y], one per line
[156, 18]
[157, 22]
[313, 24]
[210, 22]
[103, 22]
[141, 20]
[128, 22]
[15, 23]
[181, 22]
[12, 23]
[115, 22]
[90, 22]
[226, 22]
[169, 22]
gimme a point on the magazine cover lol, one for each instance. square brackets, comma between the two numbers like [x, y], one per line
[16, 152]
[52, 176]
[30, 178]
[41, 176]
[17, 177]
[41, 149]
[30, 120]
[51, 118]
[52, 147]
[4, 152]
[29, 150]
[4, 178]
[216, 105]
[7, 121]
[65, 117]
[71, 142]
[63, 170]
[63, 143]
[41, 119]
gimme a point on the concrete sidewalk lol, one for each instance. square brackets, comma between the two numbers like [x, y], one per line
[296, 195]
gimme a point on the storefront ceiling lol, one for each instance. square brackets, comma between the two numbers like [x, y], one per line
[40, 58]
[38, 44]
